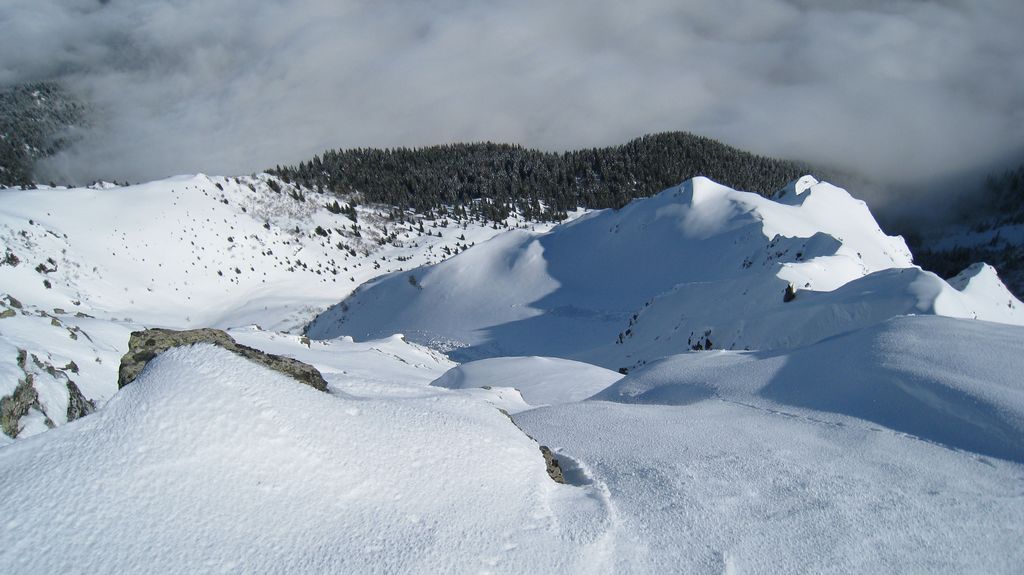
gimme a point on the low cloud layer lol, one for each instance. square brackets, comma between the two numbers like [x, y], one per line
[902, 90]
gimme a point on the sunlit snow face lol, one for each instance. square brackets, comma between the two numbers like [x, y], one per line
[232, 87]
[702, 220]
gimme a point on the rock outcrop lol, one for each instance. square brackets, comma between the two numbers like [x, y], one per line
[145, 345]
[17, 405]
[25, 398]
[553, 467]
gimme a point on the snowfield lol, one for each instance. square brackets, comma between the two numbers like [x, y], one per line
[730, 384]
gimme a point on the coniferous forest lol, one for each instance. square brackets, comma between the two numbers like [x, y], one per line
[494, 178]
[36, 120]
[993, 217]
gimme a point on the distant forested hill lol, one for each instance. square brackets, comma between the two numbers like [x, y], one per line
[990, 229]
[35, 121]
[541, 184]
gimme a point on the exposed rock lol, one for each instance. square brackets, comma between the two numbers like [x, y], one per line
[24, 398]
[145, 345]
[78, 405]
[15, 406]
[10, 259]
[13, 301]
[790, 294]
[554, 469]
[7, 313]
[550, 461]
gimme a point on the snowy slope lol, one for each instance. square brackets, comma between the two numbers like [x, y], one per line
[206, 251]
[695, 263]
[719, 487]
[857, 439]
[537, 381]
[749, 317]
[210, 463]
[949, 381]
[870, 452]
[768, 466]
[63, 354]
[82, 268]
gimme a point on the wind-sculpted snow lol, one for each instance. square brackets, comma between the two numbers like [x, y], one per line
[210, 463]
[693, 313]
[699, 265]
[537, 380]
[722, 487]
[948, 381]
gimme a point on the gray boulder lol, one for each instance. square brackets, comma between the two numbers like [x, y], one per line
[145, 345]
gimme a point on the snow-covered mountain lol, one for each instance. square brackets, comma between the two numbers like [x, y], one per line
[800, 396]
[210, 251]
[81, 268]
[987, 225]
[697, 266]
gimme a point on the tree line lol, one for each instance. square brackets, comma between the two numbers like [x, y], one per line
[491, 179]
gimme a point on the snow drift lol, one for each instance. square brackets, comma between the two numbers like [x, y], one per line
[944, 380]
[209, 462]
[538, 380]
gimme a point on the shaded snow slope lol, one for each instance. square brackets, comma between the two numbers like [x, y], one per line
[896, 448]
[209, 462]
[949, 381]
[711, 316]
[538, 380]
[697, 262]
[997, 240]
